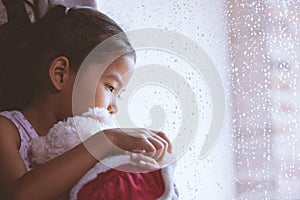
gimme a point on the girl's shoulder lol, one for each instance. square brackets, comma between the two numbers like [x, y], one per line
[8, 124]
[9, 132]
[14, 124]
[20, 122]
[12, 164]
[17, 133]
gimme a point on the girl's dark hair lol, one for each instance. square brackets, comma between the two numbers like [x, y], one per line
[27, 49]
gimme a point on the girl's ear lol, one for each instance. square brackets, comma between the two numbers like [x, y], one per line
[59, 72]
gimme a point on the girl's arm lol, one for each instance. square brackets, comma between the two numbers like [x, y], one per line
[57, 176]
[47, 181]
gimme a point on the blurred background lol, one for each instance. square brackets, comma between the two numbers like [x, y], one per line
[255, 47]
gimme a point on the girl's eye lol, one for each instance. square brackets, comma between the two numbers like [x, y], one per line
[111, 88]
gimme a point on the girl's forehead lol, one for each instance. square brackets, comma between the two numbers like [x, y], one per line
[122, 66]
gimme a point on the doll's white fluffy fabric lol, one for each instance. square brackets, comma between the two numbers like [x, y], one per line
[67, 134]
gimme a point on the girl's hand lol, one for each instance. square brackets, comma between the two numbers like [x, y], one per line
[144, 162]
[148, 163]
[152, 143]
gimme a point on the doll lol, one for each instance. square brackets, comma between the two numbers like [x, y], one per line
[103, 181]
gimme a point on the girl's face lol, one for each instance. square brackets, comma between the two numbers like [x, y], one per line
[112, 83]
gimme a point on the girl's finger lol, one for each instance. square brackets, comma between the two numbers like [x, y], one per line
[164, 149]
[159, 147]
[149, 148]
[165, 146]
[147, 166]
[138, 157]
[163, 136]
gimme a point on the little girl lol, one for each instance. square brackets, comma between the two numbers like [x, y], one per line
[37, 76]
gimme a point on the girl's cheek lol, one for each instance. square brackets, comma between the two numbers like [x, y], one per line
[102, 100]
[99, 98]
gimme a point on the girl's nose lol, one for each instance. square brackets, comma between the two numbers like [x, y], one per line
[112, 109]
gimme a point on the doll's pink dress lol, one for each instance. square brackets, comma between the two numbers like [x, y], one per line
[121, 185]
[26, 132]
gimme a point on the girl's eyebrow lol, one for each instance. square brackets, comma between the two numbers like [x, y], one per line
[116, 78]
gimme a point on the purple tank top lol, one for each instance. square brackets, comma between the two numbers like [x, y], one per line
[26, 131]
